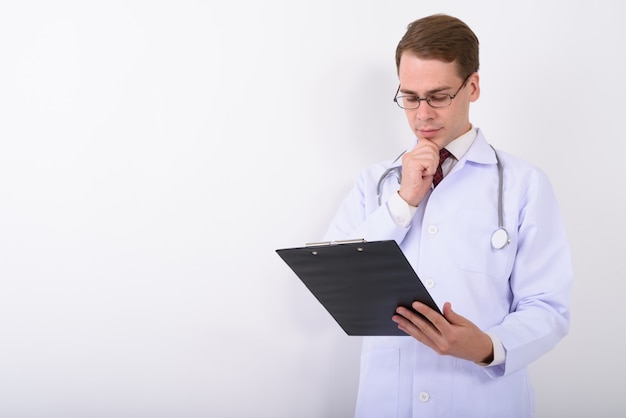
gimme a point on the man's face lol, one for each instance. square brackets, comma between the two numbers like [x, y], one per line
[422, 77]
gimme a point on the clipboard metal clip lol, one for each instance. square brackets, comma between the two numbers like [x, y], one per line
[339, 242]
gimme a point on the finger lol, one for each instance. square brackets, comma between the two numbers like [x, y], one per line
[424, 164]
[417, 320]
[430, 158]
[403, 323]
[410, 328]
[435, 318]
[424, 148]
[448, 313]
[426, 143]
[416, 327]
[451, 316]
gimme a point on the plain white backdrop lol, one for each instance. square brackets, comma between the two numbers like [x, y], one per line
[154, 154]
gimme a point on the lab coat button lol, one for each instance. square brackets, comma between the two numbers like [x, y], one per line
[430, 283]
[424, 396]
[432, 230]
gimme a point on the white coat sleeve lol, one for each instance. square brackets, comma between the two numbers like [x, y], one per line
[360, 216]
[541, 280]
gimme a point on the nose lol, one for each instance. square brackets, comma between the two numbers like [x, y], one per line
[424, 112]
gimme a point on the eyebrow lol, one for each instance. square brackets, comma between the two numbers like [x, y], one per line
[428, 93]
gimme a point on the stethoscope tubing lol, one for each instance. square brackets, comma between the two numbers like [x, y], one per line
[500, 238]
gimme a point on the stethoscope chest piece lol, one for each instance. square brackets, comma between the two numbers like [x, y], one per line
[500, 239]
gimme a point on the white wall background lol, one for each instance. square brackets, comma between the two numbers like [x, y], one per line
[154, 154]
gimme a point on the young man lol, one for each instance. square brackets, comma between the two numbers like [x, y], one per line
[504, 295]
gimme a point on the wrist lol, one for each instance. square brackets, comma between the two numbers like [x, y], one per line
[487, 358]
[413, 202]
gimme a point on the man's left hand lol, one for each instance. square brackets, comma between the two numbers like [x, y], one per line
[450, 334]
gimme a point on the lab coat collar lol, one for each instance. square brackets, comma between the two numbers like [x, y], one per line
[480, 151]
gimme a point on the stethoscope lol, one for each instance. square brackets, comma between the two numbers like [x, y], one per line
[500, 237]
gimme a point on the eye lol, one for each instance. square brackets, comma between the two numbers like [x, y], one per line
[410, 99]
[438, 99]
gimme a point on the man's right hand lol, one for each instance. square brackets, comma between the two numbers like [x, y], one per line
[418, 167]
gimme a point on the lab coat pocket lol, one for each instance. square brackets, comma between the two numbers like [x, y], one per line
[474, 252]
[379, 384]
[509, 396]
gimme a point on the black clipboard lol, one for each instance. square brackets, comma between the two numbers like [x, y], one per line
[359, 283]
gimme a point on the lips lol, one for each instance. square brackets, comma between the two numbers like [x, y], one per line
[428, 133]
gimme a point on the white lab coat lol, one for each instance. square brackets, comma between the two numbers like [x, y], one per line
[520, 293]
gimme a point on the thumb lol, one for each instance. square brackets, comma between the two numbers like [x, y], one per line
[449, 314]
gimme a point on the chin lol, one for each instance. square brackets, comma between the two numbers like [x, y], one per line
[435, 139]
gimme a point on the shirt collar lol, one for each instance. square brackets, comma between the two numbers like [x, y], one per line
[459, 146]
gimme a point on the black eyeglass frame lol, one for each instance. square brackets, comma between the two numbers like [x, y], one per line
[428, 98]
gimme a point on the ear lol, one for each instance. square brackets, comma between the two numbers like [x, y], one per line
[473, 84]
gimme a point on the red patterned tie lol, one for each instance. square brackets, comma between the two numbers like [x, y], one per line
[443, 154]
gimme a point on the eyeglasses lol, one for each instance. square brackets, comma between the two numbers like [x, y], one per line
[436, 101]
